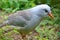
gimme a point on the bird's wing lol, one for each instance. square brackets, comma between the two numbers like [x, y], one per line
[31, 25]
[19, 18]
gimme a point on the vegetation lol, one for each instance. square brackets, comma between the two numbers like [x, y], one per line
[48, 30]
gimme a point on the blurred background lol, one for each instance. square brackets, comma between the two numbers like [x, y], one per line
[48, 29]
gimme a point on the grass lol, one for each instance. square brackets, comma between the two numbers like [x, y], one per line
[48, 29]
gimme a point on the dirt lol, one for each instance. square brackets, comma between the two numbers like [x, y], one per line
[31, 36]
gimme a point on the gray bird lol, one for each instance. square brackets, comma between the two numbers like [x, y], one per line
[27, 20]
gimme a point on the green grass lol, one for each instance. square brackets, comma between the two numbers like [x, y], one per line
[48, 30]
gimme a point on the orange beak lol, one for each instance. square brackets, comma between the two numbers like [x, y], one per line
[50, 14]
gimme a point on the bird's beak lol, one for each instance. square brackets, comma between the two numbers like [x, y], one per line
[51, 15]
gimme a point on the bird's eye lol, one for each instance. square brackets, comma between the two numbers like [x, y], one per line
[45, 10]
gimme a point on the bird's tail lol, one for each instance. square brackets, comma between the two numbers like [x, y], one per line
[4, 24]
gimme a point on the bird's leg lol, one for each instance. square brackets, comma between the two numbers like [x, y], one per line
[24, 36]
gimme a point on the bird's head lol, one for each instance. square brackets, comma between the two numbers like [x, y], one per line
[43, 10]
